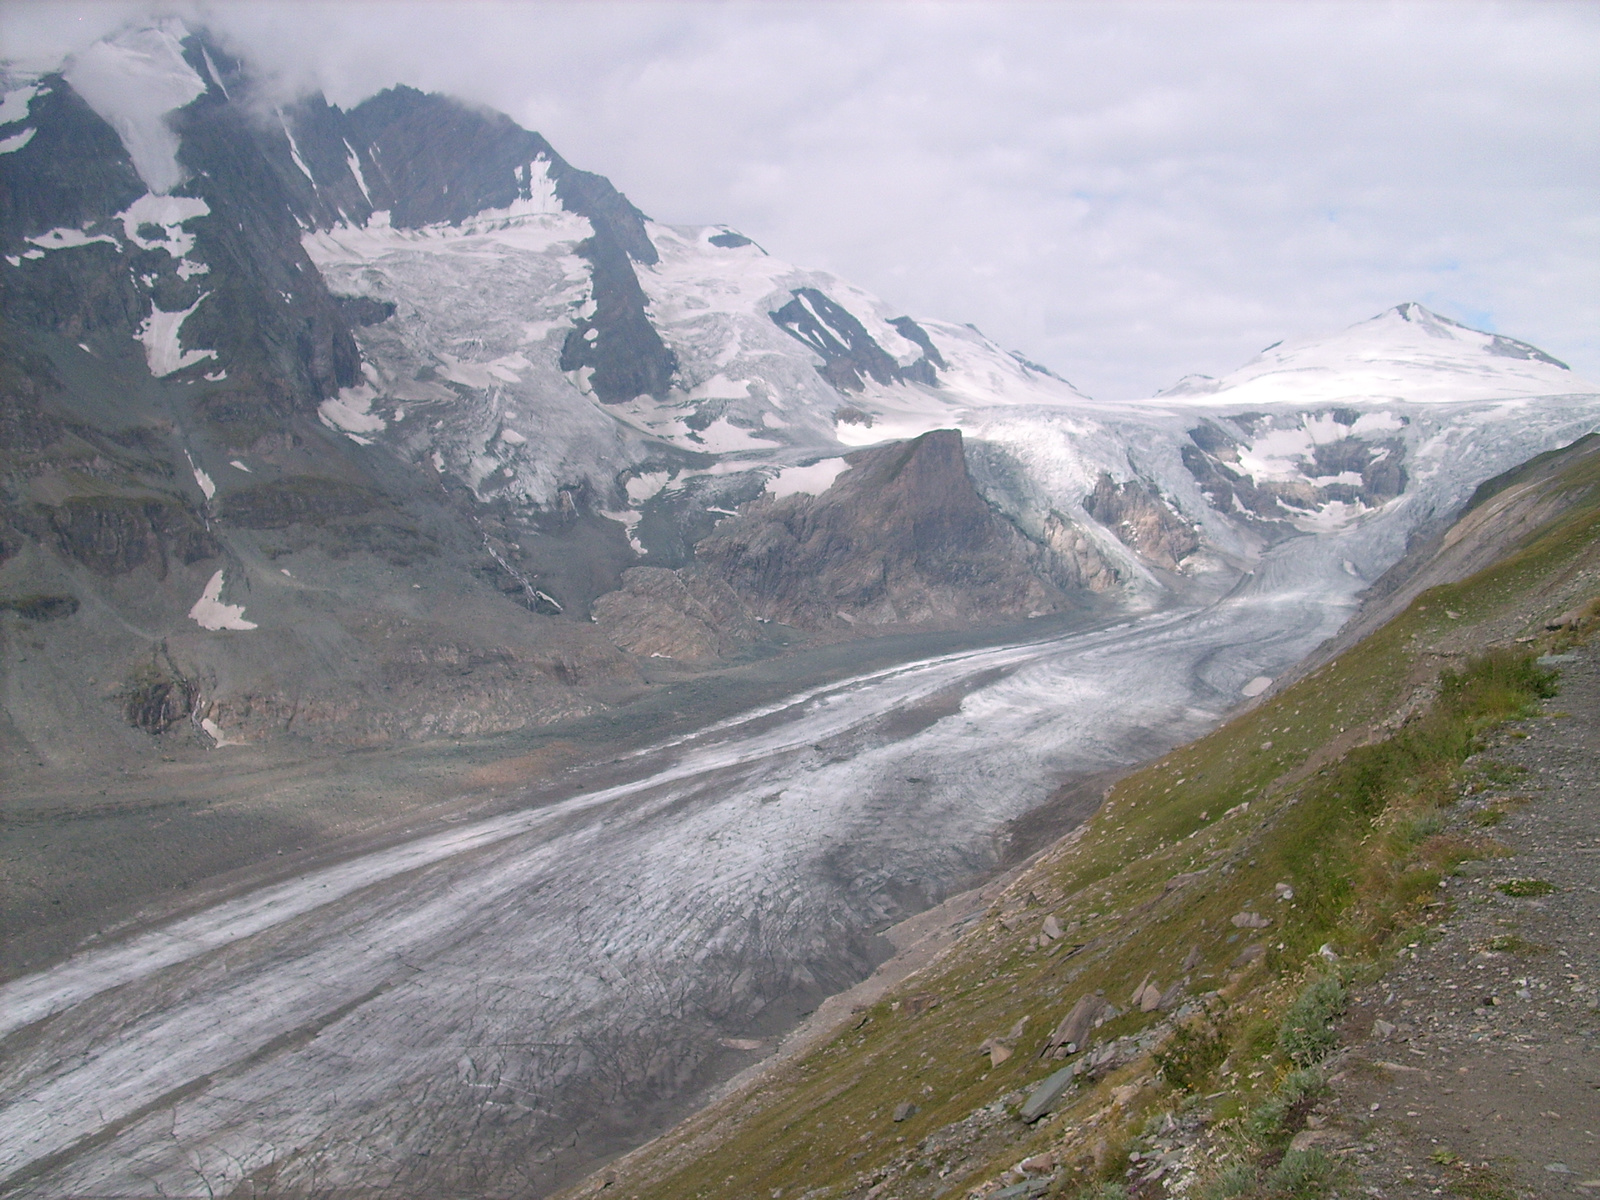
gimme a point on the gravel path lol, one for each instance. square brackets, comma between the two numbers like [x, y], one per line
[1475, 1062]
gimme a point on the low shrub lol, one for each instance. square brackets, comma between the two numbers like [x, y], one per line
[1189, 1056]
[1306, 1036]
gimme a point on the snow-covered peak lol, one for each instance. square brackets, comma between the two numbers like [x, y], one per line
[133, 80]
[1407, 353]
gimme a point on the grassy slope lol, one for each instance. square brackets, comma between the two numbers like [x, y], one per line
[1325, 787]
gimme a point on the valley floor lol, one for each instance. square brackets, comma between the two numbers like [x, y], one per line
[93, 854]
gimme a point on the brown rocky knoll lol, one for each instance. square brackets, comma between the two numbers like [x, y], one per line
[901, 537]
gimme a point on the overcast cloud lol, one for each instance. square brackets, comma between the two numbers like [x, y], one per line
[1125, 192]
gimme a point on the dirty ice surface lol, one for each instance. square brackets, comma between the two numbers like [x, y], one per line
[471, 993]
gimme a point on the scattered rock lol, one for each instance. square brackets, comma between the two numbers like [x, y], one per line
[997, 1051]
[1193, 959]
[1075, 1026]
[1250, 920]
[1052, 928]
[1249, 954]
[1138, 992]
[905, 1111]
[1284, 891]
[1308, 1139]
[1150, 998]
[1571, 619]
[1039, 1164]
[920, 1003]
[1045, 1096]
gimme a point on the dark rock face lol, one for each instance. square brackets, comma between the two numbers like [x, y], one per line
[155, 697]
[849, 353]
[269, 314]
[436, 161]
[1504, 347]
[1142, 521]
[729, 241]
[618, 344]
[25, 426]
[364, 310]
[304, 498]
[903, 536]
[112, 535]
[73, 171]
[1213, 460]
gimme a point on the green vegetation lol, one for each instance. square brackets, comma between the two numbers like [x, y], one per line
[1189, 1056]
[1524, 887]
[1307, 1035]
[1299, 1175]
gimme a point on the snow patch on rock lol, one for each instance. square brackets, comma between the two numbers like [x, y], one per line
[810, 480]
[162, 350]
[210, 613]
[350, 411]
[133, 81]
[169, 213]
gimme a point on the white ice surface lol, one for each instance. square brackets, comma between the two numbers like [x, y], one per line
[210, 613]
[1406, 353]
[10, 145]
[133, 80]
[69, 239]
[350, 411]
[14, 104]
[810, 480]
[162, 350]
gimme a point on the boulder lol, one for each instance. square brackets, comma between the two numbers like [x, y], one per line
[1047, 1094]
[1074, 1028]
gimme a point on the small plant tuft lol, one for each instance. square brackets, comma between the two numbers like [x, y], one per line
[1189, 1056]
[1306, 1036]
[1524, 887]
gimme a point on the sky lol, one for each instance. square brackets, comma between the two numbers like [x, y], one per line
[1126, 192]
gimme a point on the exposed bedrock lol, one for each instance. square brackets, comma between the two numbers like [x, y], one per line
[1142, 521]
[687, 615]
[900, 537]
[850, 355]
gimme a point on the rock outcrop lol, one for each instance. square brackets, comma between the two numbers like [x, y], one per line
[902, 537]
[1142, 521]
[687, 615]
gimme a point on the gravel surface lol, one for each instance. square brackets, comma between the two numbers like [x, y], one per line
[1475, 1062]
